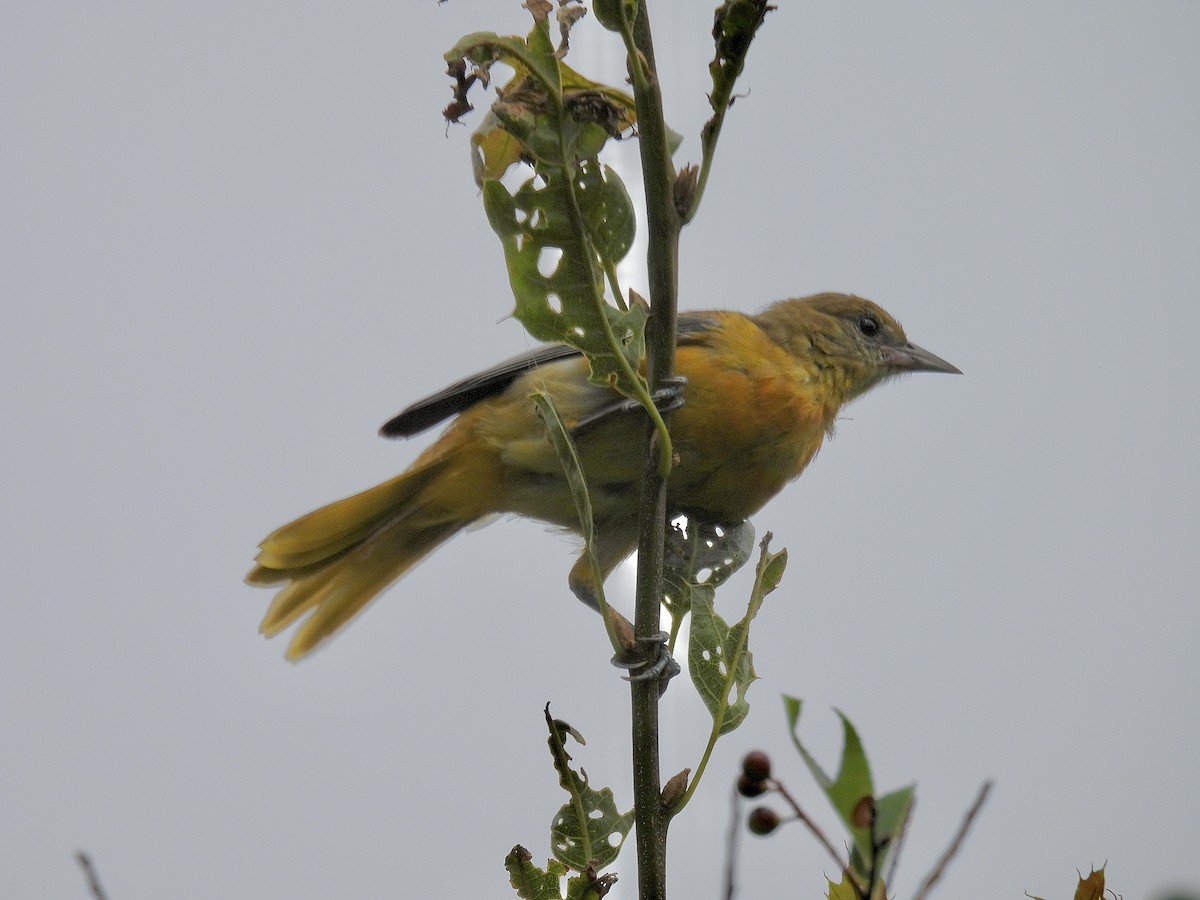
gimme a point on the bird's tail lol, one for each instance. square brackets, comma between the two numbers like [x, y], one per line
[336, 559]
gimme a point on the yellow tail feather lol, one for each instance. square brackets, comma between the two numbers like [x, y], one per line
[337, 559]
[323, 532]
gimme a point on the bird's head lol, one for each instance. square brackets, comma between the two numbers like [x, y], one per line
[847, 342]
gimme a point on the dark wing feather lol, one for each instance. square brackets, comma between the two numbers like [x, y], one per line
[461, 395]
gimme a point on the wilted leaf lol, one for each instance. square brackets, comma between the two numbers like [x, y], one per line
[587, 886]
[558, 116]
[1091, 887]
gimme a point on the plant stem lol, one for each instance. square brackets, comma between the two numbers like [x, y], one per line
[662, 225]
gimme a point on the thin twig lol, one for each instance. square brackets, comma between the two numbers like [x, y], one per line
[89, 872]
[936, 874]
[735, 826]
[811, 825]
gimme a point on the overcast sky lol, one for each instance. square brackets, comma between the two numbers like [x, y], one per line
[237, 237]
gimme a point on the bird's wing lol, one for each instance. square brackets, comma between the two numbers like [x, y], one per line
[464, 394]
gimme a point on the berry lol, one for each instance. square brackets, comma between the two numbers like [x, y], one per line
[749, 787]
[763, 820]
[757, 765]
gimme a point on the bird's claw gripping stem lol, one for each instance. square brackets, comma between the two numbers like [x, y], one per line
[668, 395]
[666, 398]
[656, 661]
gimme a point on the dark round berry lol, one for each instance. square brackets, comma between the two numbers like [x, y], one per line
[757, 765]
[762, 820]
[750, 787]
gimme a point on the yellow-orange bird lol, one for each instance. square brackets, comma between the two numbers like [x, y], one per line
[761, 394]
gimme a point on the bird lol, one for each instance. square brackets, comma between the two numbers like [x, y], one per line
[757, 396]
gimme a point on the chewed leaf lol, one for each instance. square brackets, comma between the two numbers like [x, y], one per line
[700, 554]
[719, 658]
[553, 113]
[708, 554]
[588, 830]
[721, 666]
[555, 275]
[606, 829]
[564, 228]
[530, 882]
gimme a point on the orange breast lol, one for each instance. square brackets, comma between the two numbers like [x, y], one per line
[752, 420]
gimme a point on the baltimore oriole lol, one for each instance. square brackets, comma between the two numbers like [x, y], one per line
[761, 394]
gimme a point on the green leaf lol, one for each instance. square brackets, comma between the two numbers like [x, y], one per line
[891, 816]
[586, 886]
[565, 228]
[547, 112]
[588, 830]
[557, 279]
[608, 13]
[843, 890]
[708, 554]
[846, 889]
[700, 554]
[721, 667]
[851, 787]
[568, 458]
[530, 882]
[874, 823]
[719, 658]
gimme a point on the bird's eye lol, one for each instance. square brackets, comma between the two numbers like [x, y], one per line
[868, 325]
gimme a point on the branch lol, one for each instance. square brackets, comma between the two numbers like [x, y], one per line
[955, 844]
[662, 224]
[89, 872]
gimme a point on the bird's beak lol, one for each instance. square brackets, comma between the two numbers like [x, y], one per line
[911, 358]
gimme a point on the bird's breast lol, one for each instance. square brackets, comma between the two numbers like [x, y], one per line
[744, 432]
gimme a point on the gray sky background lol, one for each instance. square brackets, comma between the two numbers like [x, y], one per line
[237, 238]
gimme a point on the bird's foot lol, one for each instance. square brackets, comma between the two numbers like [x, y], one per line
[666, 398]
[649, 659]
[669, 395]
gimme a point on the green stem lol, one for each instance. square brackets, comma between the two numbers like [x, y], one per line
[708, 141]
[662, 224]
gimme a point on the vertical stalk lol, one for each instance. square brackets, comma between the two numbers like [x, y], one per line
[663, 226]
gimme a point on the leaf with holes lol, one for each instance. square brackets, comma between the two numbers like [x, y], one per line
[530, 882]
[588, 830]
[698, 553]
[708, 554]
[565, 228]
[551, 233]
[719, 657]
[547, 112]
